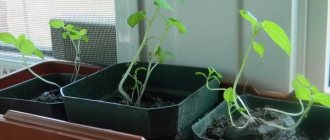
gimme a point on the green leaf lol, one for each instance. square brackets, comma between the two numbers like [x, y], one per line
[74, 36]
[228, 95]
[163, 4]
[278, 35]
[85, 38]
[301, 92]
[136, 18]
[56, 24]
[199, 73]
[161, 54]
[69, 27]
[302, 80]
[178, 24]
[259, 49]
[322, 98]
[38, 53]
[20, 39]
[65, 35]
[82, 32]
[212, 71]
[27, 47]
[8, 38]
[249, 17]
[314, 89]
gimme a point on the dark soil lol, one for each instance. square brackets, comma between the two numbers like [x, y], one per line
[220, 128]
[52, 96]
[148, 101]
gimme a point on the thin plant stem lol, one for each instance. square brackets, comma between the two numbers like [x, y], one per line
[36, 75]
[142, 45]
[309, 105]
[287, 113]
[248, 116]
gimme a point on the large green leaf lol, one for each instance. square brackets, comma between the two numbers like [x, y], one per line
[303, 80]
[229, 95]
[259, 49]
[82, 32]
[178, 24]
[135, 18]
[69, 27]
[322, 98]
[163, 4]
[8, 38]
[39, 54]
[301, 92]
[278, 35]
[20, 39]
[27, 47]
[56, 24]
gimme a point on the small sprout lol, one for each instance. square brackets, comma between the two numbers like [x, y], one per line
[155, 57]
[75, 34]
[279, 37]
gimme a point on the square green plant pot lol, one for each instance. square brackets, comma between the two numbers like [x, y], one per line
[83, 101]
[17, 89]
[315, 126]
[20, 97]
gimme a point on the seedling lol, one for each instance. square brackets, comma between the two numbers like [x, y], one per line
[75, 34]
[277, 34]
[27, 48]
[304, 91]
[156, 57]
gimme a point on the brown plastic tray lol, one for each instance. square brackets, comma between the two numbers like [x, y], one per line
[16, 125]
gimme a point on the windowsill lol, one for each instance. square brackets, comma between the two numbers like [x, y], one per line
[14, 56]
[12, 50]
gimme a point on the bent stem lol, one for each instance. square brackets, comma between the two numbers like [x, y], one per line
[304, 114]
[287, 113]
[133, 61]
[36, 75]
[151, 67]
[247, 115]
[76, 60]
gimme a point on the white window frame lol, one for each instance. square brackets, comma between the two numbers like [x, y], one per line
[316, 59]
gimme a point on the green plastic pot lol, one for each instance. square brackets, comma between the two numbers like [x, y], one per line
[83, 104]
[316, 125]
[18, 97]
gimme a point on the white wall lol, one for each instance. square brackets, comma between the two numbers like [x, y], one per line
[217, 36]
[127, 38]
[275, 72]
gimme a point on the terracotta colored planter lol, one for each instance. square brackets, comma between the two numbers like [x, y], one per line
[47, 67]
[23, 126]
